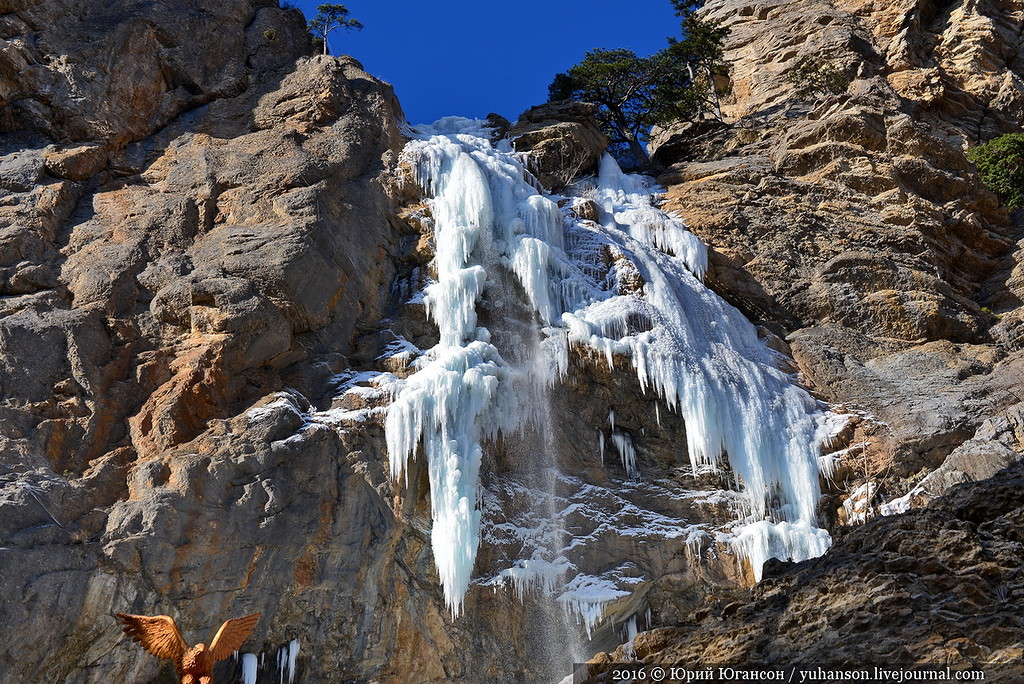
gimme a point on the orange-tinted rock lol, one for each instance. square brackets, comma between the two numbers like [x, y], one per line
[77, 163]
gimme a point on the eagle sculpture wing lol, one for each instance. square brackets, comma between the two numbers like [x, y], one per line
[231, 635]
[158, 634]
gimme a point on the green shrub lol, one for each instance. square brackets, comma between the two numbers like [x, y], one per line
[989, 312]
[1000, 164]
[271, 35]
[813, 77]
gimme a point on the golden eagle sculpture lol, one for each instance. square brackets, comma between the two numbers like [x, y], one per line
[159, 635]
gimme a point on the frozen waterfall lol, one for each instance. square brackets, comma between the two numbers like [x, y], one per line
[627, 286]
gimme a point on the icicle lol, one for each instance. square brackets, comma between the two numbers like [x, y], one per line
[624, 445]
[536, 574]
[442, 406]
[704, 360]
[293, 657]
[628, 635]
[485, 214]
[249, 668]
[585, 597]
[762, 540]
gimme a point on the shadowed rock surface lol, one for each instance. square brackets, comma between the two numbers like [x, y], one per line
[934, 586]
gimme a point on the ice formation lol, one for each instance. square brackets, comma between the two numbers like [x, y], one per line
[249, 668]
[624, 445]
[694, 351]
[585, 597]
[259, 668]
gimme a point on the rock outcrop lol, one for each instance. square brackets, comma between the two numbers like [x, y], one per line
[190, 239]
[563, 140]
[117, 73]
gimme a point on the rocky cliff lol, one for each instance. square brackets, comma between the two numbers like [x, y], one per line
[852, 227]
[205, 251]
[188, 229]
[934, 586]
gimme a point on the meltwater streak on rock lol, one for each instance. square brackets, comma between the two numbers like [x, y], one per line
[695, 351]
[554, 639]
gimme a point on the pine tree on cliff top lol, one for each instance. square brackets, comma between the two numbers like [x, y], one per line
[330, 17]
[635, 93]
[702, 49]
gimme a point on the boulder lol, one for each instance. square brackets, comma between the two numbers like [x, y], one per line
[20, 170]
[562, 139]
[76, 163]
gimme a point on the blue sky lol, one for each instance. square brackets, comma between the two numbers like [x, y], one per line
[471, 58]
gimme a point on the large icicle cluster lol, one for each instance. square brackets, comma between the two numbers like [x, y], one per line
[687, 345]
[705, 360]
[256, 666]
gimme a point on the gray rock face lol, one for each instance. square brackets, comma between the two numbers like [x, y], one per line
[20, 170]
[124, 70]
[224, 248]
[187, 232]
